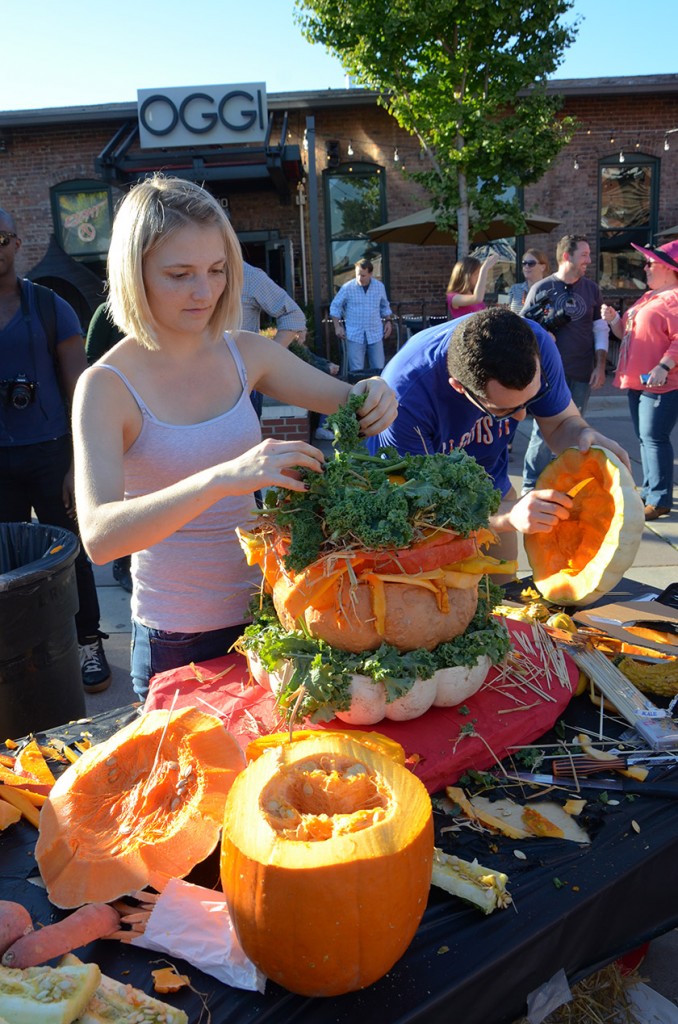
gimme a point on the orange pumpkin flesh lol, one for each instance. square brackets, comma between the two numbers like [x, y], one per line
[326, 863]
[586, 555]
[119, 818]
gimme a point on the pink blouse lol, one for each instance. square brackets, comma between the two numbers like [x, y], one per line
[650, 336]
[457, 311]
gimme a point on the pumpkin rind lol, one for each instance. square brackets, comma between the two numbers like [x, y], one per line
[331, 906]
[119, 819]
[585, 556]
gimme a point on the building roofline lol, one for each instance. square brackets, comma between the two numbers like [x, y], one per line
[329, 98]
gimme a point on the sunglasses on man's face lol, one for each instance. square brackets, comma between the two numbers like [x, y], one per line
[504, 414]
[6, 237]
[529, 263]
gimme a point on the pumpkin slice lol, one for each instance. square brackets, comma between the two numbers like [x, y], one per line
[586, 555]
[326, 863]
[137, 810]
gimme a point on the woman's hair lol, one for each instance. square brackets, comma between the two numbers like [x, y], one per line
[540, 257]
[462, 272]
[150, 213]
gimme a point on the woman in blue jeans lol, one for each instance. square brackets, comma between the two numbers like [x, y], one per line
[168, 449]
[648, 367]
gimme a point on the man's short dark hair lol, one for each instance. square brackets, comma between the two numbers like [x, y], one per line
[494, 344]
[568, 244]
[364, 265]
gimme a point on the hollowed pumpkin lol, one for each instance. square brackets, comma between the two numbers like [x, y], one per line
[326, 863]
[139, 809]
[584, 556]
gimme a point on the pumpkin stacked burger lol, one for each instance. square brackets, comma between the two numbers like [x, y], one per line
[374, 580]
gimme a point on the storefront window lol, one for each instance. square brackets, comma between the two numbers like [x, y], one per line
[628, 213]
[354, 203]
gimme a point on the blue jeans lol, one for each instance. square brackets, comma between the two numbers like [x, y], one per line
[538, 454]
[654, 417]
[355, 351]
[157, 650]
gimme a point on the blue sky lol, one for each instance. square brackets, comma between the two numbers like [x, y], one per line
[80, 53]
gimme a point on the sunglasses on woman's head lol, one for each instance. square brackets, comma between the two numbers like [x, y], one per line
[6, 237]
[529, 263]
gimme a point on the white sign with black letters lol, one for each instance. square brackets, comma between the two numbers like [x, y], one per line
[202, 115]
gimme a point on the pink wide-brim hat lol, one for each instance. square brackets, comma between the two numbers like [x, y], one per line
[666, 254]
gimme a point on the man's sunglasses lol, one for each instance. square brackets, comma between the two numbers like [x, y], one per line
[6, 237]
[507, 413]
[529, 263]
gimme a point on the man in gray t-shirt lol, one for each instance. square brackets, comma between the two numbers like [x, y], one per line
[569, 308]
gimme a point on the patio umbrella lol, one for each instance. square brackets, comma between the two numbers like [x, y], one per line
[668, 233]
[420, 229]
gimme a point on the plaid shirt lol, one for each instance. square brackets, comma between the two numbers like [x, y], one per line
[361, 310]
[261, 294]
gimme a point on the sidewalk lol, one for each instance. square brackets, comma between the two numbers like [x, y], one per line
[656, 564]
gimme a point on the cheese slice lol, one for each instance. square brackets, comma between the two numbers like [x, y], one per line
[47, 995]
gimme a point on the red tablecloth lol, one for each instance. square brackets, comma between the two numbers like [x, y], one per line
[439, 745]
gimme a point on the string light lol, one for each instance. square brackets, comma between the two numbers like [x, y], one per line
[305, 142]
[575, 165]
[667, 147]
[396, 155]
[622, 158]
[349, 148]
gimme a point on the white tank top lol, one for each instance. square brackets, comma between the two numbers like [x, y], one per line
[196, 579]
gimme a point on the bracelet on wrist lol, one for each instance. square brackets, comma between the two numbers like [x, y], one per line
[665, 367]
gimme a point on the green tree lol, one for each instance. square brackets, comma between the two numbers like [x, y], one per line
[468, 79]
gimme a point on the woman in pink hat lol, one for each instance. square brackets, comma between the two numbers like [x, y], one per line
[648, 367]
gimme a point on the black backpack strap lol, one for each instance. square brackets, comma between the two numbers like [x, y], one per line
[46, 307]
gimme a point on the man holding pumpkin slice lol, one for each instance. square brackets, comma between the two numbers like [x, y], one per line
[469, 387]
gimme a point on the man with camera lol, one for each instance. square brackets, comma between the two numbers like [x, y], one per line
[567, 305]
[42, 354]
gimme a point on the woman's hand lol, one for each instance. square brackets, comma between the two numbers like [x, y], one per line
[275, 464]
[379, 409]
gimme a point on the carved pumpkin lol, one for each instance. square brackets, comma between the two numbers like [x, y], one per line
[584, 556]
[326, 863]
[139, 809]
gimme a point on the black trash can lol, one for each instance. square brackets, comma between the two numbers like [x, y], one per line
[40, 679]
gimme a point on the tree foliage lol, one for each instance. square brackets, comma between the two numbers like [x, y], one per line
[468, 79]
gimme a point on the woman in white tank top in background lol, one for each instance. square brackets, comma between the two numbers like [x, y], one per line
[168, 449]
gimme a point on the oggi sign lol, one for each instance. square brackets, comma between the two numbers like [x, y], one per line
[212, 114]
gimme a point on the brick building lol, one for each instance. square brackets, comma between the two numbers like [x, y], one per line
[324, 168]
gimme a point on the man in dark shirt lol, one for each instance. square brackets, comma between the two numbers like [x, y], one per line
[572, 314]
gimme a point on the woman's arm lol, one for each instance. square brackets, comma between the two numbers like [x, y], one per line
[478, 293]
[281, 375]
[105, 420]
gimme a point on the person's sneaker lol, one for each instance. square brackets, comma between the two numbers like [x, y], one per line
[96, 672]
[653, 512]
[122, 574]
[323, 434]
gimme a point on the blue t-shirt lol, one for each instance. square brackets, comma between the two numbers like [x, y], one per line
[433, 417]
[24, 350]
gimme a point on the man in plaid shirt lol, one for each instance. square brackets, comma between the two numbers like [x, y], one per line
[362, 305]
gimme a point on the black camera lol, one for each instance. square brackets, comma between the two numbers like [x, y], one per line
[19, 392]
[544, 313]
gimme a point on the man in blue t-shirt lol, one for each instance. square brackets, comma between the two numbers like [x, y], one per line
[36, 462]
[466, 385]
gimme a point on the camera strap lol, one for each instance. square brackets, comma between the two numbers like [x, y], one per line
[28, 321]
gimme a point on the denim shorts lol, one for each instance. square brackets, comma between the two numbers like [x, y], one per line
[156, 650]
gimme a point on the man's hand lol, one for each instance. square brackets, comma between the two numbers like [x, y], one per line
[388, 327]
[590, 437]
[68, 492]
[597, 378]
[539, 511]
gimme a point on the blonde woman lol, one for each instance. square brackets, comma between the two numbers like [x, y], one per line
[468, 284]
[168, 447]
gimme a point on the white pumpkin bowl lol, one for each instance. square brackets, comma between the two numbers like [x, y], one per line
[445, 689]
